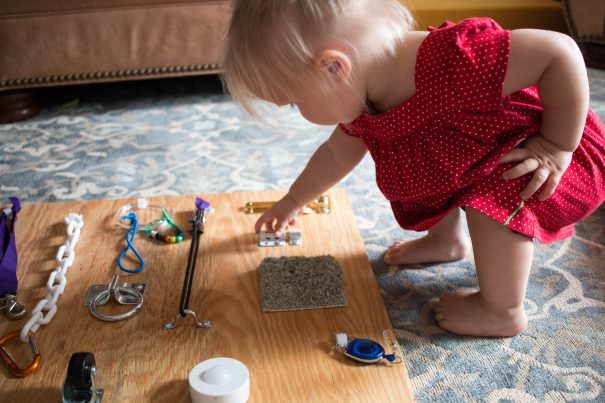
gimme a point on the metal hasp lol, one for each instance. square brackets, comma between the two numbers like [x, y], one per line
[14, 310]
[321, 205]
[79, 386]
[122, 293]
[197, 229]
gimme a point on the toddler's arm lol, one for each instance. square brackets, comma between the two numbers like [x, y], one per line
[332, 161]
[553, 62]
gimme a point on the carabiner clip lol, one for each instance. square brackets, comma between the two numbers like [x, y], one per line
[11, 364]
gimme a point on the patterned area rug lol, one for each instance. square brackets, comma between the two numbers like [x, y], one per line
[184, 137]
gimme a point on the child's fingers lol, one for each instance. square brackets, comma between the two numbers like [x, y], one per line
[549, 188]
[521, 169]
[516, 154]
[263, 220]
[258, 225]
[538, 178]
[270, 225]
[280, 227]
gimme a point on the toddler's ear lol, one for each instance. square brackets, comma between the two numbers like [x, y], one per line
[335, 63]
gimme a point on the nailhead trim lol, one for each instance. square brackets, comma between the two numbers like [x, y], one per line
[109, 74]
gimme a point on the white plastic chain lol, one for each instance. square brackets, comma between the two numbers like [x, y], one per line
[56, 280]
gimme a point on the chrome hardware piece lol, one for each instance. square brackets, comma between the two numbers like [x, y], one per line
[199, 323]
[269, 239]
[292, 237]
[127, 299]
[14, 310]
[124, 294]
[321, 205]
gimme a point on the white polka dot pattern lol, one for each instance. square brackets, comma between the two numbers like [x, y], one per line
[439, 149]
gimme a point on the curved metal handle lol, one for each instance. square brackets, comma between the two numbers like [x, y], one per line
[104, 296]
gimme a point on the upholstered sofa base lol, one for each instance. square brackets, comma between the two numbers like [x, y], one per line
[73, 41]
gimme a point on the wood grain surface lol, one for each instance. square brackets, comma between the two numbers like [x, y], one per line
[290, 355]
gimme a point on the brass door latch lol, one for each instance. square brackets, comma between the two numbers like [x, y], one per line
[321, 205]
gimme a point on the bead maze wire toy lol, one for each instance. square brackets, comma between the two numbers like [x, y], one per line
[197, 229]
[158, 229]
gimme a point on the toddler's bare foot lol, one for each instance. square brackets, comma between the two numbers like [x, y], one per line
[463, 313]
[427, 250]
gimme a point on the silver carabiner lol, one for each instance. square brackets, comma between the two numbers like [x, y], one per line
[14, 310]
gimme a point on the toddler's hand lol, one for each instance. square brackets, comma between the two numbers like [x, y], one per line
[282, 214]
[545, 159]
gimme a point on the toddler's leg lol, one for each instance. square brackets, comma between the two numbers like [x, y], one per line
[444, 242]
[503, 259]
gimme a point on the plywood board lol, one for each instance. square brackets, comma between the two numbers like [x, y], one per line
[290, 355]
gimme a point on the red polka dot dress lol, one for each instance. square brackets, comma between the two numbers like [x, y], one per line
[439, 149]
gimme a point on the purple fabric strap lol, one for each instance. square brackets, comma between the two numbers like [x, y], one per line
[8, 254]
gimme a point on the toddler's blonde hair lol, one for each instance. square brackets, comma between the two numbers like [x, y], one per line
[271, 44]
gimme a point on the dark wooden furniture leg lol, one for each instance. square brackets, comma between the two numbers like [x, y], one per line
[17, 105]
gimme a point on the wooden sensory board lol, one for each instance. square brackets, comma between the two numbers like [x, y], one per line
[290, 355]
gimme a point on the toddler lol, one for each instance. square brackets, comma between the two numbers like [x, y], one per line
[467, 115]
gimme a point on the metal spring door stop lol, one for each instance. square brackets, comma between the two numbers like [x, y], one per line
[197, 224]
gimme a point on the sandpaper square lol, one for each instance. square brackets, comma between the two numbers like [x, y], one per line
[299, 282]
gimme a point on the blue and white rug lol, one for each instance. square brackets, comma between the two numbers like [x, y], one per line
[184, 137]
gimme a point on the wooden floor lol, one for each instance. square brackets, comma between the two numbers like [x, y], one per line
[289, 355]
